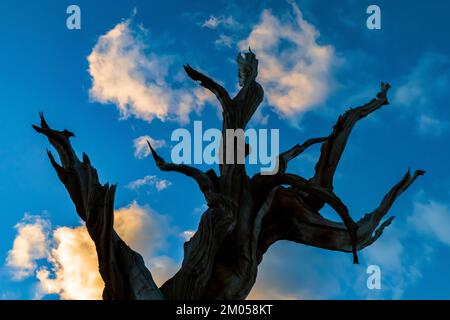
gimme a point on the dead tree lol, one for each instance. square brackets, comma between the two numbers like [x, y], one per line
[245, 215]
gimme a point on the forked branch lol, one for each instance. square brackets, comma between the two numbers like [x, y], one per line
[244, 216]
[122, 269]
[333, 148]
[291, 218]
[303, 186]
[295, 151]
[204, 181]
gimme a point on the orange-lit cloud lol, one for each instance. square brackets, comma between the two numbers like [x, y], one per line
[138, 82]
[30, 244]
[73, 271]
[295, 78]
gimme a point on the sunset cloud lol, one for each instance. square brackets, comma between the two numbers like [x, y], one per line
[73, 271]
[294, 69]
[136, 81]
[30, 244]
[74, 268]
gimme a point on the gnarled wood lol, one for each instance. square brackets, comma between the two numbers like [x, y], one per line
[122, 269]
[245, 216]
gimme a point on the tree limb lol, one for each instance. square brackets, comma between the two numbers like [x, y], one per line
[295, 151]
[333, 148]
[122, 269]
[323, 194]
[291, 219]
[244, 216]
[204, 180]
[208, 83]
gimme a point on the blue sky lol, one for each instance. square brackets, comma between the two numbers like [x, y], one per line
[45, 67]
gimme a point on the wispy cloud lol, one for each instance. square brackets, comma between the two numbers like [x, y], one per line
[159, 184]
[137, 81]
[431, 125]
[423, 90]
[295, 70]
[141, 148]
[294, 271]
[400, 265]
[291, 270]
[432, 218]
[214, 22]
[187, 234]
[224, 41]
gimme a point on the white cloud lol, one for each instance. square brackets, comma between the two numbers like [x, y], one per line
[187, 234]
[211, 23]
[214, 22]
[423, 90]
[431, 125]
[30, 244]
[224, 40]
[433, 219]
[74, 273]
[159, 184]
[137, 82]
[73, 259]
[144, 230]
[162, 184]
[389, 253]
[400, 262]
[141, 148]
[294, 69]
[288, 271]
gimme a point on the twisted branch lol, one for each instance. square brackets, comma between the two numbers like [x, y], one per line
[122, 269]
[291, 219]
[332, 149]
[295, 151]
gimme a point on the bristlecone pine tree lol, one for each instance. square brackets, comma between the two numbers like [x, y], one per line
[245, 215]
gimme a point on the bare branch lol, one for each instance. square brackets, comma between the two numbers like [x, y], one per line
[295, 151]
[122, 269]
[208, 83]
[292, 219]
[244, 216]
[320, 193]
[333, 148]
[203, 180]
[368, 224]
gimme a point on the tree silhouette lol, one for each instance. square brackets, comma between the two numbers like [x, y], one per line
[245, 215]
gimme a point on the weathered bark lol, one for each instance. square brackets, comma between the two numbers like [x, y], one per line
[122, 269]
[245, 216]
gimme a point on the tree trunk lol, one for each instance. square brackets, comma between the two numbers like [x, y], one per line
[245, 216]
